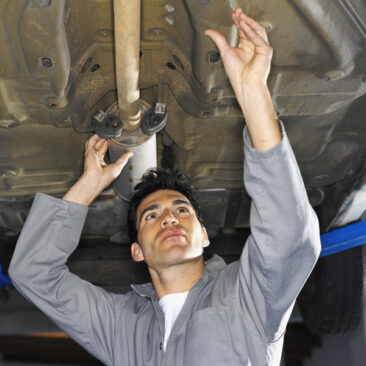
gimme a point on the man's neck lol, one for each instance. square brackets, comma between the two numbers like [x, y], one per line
[176, 278]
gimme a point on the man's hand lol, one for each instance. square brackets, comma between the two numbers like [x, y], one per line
[95, 166]
[247, 67]
[97, 174]
[249, 63]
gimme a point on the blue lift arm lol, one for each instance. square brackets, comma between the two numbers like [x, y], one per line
[344, 238]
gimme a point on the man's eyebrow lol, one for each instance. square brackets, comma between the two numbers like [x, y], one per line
[150, 208]
[179, 202]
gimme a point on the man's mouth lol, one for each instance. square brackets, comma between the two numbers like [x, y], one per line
[171, 234]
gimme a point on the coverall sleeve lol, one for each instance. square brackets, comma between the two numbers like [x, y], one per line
[284, 243]
[85, 312]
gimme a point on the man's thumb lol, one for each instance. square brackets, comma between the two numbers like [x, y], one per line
[116, 167]
[218, 39]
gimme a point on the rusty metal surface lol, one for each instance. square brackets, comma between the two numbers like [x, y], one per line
[39, 158]
[58, 68]
[127, 15]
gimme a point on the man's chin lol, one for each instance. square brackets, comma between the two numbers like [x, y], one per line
[178, 257]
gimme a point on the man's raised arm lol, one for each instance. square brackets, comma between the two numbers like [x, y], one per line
[284, 243]
[50, 234]
[247, 67]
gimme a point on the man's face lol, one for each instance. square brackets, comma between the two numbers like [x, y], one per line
[169, 232]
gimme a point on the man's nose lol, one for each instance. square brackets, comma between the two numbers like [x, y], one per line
[169, 219]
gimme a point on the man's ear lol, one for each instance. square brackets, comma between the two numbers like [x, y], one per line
[205, 240]
[136, 252]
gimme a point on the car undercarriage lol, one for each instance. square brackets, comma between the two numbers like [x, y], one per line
[58, 70]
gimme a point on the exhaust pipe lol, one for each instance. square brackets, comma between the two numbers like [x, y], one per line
[140, 123]
[127, 18]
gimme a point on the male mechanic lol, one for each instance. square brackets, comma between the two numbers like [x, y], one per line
[193, 313]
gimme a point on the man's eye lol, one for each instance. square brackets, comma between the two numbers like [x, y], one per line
[150, 216]
[182, 210]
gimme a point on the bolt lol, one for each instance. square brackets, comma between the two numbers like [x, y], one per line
[169, 8]
[157, 32]
[46, 62]
[169, 20]
[45, 3]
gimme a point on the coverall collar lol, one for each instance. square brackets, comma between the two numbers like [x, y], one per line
[212, 267]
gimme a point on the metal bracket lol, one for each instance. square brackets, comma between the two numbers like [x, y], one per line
[107, 125]
[154, 119]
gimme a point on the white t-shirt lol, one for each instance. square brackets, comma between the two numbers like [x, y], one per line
[171, 305]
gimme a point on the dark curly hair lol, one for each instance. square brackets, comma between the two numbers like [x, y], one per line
[152, 181]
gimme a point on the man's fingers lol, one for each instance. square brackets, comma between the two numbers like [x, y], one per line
[125, 158]
[101, 147]
[235, 19]
[99, 143]
[103, 150]
[218, 39]
[252, 35]
[122, 161]
[239, 15]
[91, 141]
[257, 27]
[116, 167]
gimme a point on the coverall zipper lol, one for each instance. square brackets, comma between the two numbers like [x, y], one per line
[181, 318]
[161, 321]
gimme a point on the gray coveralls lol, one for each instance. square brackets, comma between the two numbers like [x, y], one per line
[234, 315]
